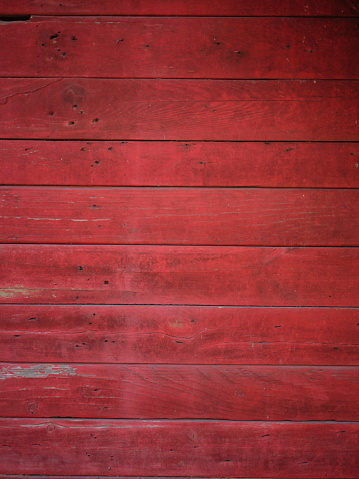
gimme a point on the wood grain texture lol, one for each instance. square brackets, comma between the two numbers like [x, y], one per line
[179, 109]
[98, 477]
[256, 393]
[335, 8]
[134, 47]
[179, 334]
[165, 163]
[259, 276]
[33, 476]
[272, 217]
[179, 448]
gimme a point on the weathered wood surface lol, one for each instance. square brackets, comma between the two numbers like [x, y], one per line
[259, 393]
[142, 47]
[180, 334]
[104, 333]
[179, 109]
[97, 477]
[335, 8]
[165, 163]
[186, 448]
[179, 216]
[209, 275]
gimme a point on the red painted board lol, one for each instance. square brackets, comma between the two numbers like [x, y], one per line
[179, 216]
[259, 393]
[179, 334]
[179, 7]
[97, 477]
[179, 448]
[179, 109]
[244, 276]
[154, 163]
[147, 47]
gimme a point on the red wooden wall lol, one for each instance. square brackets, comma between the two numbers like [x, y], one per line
[179, 217]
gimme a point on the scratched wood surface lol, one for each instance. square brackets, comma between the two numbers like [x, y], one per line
[180, 216]
[179, 239]
[140, 47]
[235, 110]
[336, 8]
[256, 393]
[203, 448]
[193, 275]
[180, 334]
[166, 163]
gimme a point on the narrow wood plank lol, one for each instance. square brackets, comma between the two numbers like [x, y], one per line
[260, 393]
[179, 216]
[174, 448]
[56, 274]
[165, 163]
[179, 109]
[179, 334]
[9, 476]
[133, 47]
[320, 8]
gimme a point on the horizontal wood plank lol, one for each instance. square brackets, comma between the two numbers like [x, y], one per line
[179, 448]
[179, 109]
[179, 334]
[245, 276]
[179, 7]
[165, 163]
[133, 47]
[257, 393]
[33, 476]
[179, 216]
[47, 476]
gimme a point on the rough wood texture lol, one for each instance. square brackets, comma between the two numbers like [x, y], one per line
[179, 109]
[335, 8]
[180, 334]
[188, 448]
[233, 48]
[180, 392]
[228, 295]
[165, 163]
[98, 477]
[179, 216]
[179, 275]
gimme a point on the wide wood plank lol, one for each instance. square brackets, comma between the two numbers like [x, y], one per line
[180, 7]
[180, 392]
[179, 216]
[179, 109]
[133, 47]
[179, 334]
[210, 275]
[166, 163]
[176, 448]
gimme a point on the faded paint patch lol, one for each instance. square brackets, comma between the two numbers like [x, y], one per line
[16, 292]
[38, 371]
[178, 324]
